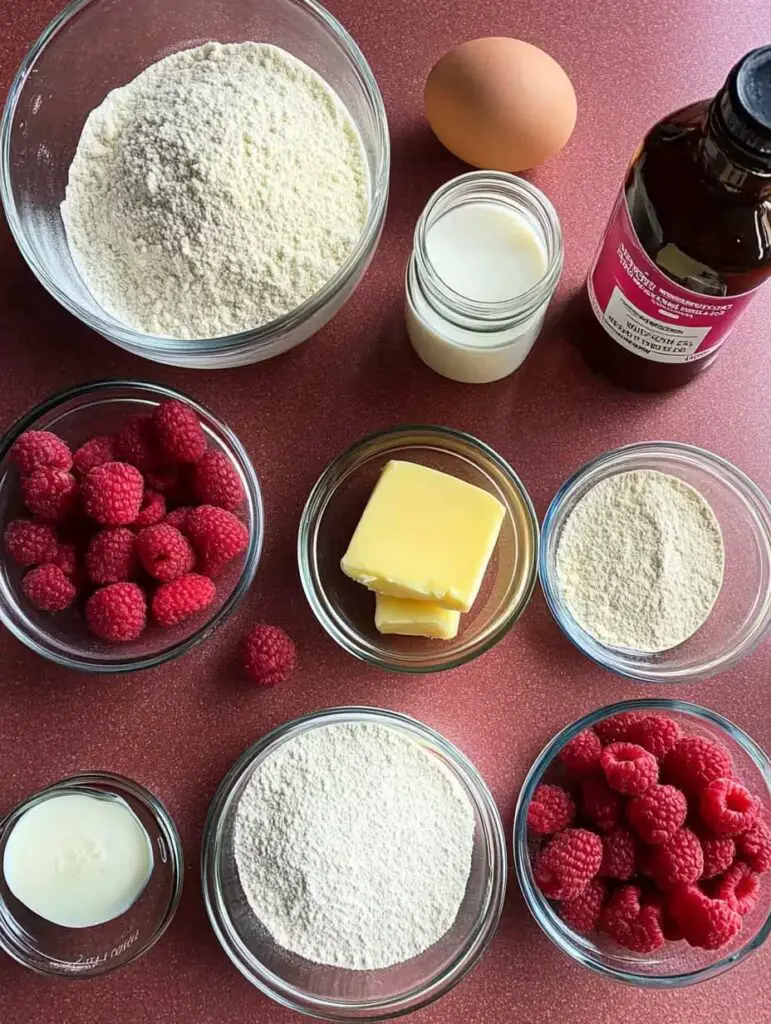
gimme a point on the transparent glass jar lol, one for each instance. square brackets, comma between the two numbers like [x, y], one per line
[473, 341]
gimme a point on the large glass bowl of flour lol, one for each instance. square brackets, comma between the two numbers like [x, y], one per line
[336, 992]
[96, 46]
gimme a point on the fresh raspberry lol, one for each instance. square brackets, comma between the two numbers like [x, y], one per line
[217, 535]
[600, 804]
[30, 543]
[216, 481]
[567, 863]
[117, 613]
[66, 558]
[179, 432]
[164, 552]
[152, 511]
[135, 443]
[718, 854]
[48, 588]
[655, 733]
[582, 913]
[630, 922]
[727, 807]
[739, 887]
[670, 929]
[678, 861]
[94, 453]
[178, 517]
[269, 655]
[50, 493]
[616, 728]
[178, 600]
[167, 480]
[657, 813]
[551, 809]
[619, 854]
[112, 493]
[695, 761]
[754, 847]
[706, 923]
[40, 449]
[111, 555]
[629, 769]
[581, 755]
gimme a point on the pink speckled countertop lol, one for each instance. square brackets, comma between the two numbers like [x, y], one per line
[177, 730]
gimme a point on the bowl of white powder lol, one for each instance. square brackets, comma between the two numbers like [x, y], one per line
[354, 864]
[206, 190]
[655, 561]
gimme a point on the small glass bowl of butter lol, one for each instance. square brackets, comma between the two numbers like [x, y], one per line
[356, 616]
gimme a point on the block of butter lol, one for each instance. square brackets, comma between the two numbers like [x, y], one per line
[415, 618]
[424, 535]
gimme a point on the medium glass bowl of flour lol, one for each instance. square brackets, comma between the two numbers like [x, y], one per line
[354, 864]
[655, 561]
[204, 185]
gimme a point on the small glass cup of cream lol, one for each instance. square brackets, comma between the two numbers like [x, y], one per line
[486, 260]
[90, 875]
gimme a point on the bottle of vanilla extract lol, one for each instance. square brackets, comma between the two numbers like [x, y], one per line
[688, 244]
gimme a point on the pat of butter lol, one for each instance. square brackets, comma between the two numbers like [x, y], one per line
[424, 535]
[415, 618]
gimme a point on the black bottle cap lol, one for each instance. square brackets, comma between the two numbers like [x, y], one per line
[744, 106]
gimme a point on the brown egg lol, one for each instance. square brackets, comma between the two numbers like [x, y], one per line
[500, 104]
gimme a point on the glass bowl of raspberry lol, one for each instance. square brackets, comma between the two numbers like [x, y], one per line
[132, 525]
[642, 843]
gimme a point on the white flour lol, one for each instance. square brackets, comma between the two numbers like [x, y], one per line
[216, 191]
[640, 561]
[353, 846]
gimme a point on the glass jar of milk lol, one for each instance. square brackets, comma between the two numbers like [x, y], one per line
[487, 257]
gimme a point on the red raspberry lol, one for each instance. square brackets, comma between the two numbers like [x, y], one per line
[111, 555]
[754, 847]
[217, 535]
[727, 807]
[678, 861]
[567, 863]
[94, 453]
[600, 804]
[30, 543]
[179, 432]
[167, 480]
[582, 913]
[135, 443]
[630, 922]
[670, 929]
[216, 481]
[619, 854]
[117, 613]
[718, 855]
[739, 887]
[581, 755]
[178, 517]
[50, 493]
[48, 588]
[164, 552]
[616, 728]
[551, 809]
[695, 761]
[657, 813]
[40, 449]
[655, 733]
[66, 558]
[179, 599]
[629, 769]
[706, 923]
[269, 655]
[112, 493]
[152, 511]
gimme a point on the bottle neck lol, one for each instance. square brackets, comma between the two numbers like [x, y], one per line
[727, 162]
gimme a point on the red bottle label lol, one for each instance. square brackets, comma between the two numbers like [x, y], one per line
[647, 312]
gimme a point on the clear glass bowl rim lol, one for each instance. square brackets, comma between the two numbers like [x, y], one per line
[328, 1009]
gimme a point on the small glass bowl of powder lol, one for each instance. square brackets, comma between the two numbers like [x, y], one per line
[656, 562]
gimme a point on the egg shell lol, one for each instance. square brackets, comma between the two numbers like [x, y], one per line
[500, 104]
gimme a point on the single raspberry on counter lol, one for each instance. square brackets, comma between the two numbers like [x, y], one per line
[567, 863]
[178, 517]
[112, 493]
[619, 854]
[706, 923]
[135, 443]
[628, 768]
[581, 755]
[94, 453]
[551, 809]
[657, 813]
[66, 558]
[616, 728]
[178, 600]
[582, 913]
[164, 552]
[678, 861]
[600, 804]
[269, 655]
[40, 449]
[111, 555]
[754, 847]
[50, 493]
[179, 432]
[117, 613]
[695, 761]
[29, 543]
[718, 854]
[630, 922]
[47, 587]
[739, 887]
[152, 511]
[727, 807]
[657, 734]
[217, 536]
[216, 481]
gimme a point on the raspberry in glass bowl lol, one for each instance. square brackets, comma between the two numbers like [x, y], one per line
[642, 843]
[132, 525]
